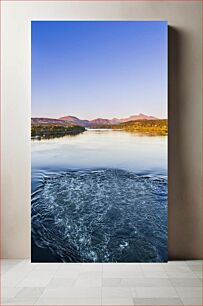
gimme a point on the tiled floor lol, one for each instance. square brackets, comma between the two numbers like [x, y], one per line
[173, 283]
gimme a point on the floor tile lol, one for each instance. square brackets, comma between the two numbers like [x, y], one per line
[6, 268]
[69, 301]
[177, 268]
[61, 282]
[74, 292]
[158, 301]
[196, 268]
[90, 275]
[117, 301]
[21, 301]
[189, 291]
[88, 267]
[198, 274]
[37, 279]
[85, 282]
[185, 282]
[50, 267]
[9, 292]
[4, 301]
[119, 267]
[152, 267]
[178, 274]
[193, 262]
[175, 263]
[67, 273]
[192, 301]
[116, 292]
[147, 282]
[28, 292]
[16, 274]
[122, 274]
[156, 292]
[155, 274]
[112, 282]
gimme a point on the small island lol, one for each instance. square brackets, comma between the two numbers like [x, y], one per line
[150, 127]
[46, 131]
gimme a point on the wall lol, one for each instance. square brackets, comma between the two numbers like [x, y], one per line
[184, 112]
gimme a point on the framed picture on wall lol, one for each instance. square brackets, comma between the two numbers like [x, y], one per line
[99, 141]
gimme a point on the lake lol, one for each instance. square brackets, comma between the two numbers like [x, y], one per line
[100, 196]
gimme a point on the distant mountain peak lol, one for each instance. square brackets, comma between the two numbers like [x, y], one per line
[139, 117]
[98, 121]
[68, 117]
[74, 120]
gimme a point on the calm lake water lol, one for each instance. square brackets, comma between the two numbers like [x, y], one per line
[102, 149]
[102, 195]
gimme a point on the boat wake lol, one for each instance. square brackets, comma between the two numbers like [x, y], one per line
[106, 215]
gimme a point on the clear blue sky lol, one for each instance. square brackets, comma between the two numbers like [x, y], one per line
[93, 69]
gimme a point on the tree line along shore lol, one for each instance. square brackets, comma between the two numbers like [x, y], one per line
[50, 130]
[153, 127]
[150, 127]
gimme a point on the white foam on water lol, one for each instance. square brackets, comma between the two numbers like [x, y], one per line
[105, 215]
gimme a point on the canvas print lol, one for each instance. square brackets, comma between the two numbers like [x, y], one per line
[99, 141]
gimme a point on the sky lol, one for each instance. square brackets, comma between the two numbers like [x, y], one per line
[92, 69]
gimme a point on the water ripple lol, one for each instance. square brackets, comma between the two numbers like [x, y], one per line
[106, 215]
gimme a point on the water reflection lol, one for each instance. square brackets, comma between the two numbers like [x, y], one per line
[102, 149]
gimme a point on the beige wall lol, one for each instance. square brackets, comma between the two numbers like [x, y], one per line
[184, 113]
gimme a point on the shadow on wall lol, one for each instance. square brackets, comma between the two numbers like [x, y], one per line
[184, 227]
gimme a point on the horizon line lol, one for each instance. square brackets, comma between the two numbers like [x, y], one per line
[96, 117]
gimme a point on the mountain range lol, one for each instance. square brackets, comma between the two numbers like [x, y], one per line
[97, 121]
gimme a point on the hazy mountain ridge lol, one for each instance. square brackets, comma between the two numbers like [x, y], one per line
[98, 121]
[74, 120]
[37, 121]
